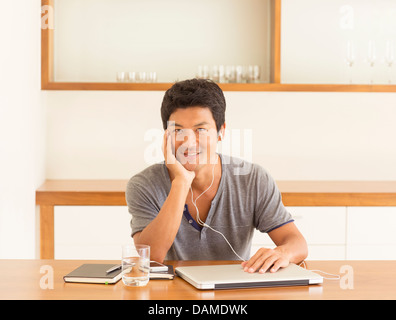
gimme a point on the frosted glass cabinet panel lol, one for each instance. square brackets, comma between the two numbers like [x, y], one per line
[338, 41]
[371, 233]
[91, 232]
[94, 40]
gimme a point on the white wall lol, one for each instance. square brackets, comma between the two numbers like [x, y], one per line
[307, 136]
[315, 136]
[22, 127]
[87, 135]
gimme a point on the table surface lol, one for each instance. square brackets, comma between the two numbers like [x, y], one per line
[23, 279]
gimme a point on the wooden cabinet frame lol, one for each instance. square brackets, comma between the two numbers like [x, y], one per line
[48, 83]
[294, 194]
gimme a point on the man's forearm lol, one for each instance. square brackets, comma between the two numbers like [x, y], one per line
[161, 232]
[290, 242]
[295, 248]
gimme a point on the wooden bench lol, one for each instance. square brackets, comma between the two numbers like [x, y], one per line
[112, 193]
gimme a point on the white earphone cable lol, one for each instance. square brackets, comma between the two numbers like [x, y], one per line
[335, 276]
[203, 223]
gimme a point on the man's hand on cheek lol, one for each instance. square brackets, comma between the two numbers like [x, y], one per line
[176, 169]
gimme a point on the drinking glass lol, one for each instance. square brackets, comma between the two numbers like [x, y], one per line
[152, 76]
[389, 58]
[371, 57]
[135, 265]
[230, 74]
[350, 59]
[132, 76]
[203, 72]
[142, 76]
[254, 73]
[215, 76]
[121, 76]
[221, 74]
[239, 74]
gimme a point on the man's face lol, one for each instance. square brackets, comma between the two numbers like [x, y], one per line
[194, 137]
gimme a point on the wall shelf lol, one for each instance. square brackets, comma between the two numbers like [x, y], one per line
[48, 81]
[112, 86]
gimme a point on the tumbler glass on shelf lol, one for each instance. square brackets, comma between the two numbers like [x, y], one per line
[215, 74]
[240, 72]
[142, 76]
[222, 74]
[131, 76]
[120, 76]
[152, 76]
[257, 73]
[230, 74]
[389, 58]
[203, 72]
[254, 73]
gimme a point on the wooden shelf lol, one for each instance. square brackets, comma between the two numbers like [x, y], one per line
[48, 82]
[103, 86]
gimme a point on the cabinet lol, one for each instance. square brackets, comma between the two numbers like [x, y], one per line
[324, 229]
[371, 233]
[300, 46]
[171, 38]
[332, 233]
[338, 42]
[91, 232]
[338, 233]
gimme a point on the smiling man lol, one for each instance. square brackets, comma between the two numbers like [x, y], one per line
[197, 204]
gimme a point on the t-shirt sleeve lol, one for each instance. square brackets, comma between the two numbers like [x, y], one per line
[270, 213]
[141, 204]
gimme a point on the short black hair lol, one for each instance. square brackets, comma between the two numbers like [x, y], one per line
[194, 93]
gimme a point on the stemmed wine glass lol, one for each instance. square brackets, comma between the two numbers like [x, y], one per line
[371, 57]
[350, 59]
[389, 58]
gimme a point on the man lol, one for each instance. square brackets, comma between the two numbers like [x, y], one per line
[200, 205]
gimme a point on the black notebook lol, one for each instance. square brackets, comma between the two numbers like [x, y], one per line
[94, 273]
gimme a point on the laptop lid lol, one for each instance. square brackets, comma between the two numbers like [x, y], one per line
[232, 276]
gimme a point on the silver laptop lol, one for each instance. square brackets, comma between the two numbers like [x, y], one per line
[232, 276]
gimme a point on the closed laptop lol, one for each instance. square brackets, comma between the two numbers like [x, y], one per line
[232, 276]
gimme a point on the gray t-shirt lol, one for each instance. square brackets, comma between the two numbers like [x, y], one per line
[247, 199]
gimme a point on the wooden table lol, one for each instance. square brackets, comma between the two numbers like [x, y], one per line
[112, 193]
[20, 279]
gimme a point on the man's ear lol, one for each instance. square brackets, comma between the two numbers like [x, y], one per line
[220, 135]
